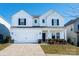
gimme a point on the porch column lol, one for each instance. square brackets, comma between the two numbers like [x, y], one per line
[65, 35]
[49, 35]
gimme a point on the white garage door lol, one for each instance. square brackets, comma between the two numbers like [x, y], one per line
[26, 36]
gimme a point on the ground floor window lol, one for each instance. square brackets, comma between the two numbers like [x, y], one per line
[58, 35]
[78, 27]
[53, 36]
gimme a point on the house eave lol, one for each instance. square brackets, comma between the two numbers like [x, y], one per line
[36, 27]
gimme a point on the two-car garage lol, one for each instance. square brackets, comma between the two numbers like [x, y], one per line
[25, 35]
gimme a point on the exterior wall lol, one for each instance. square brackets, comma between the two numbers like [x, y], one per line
[42, 24]
[30, 20]
[55, 16]
[76, 26]
[33, 34]
[71, 34]
[35, 24]
[62, 35]
[22, 14]
[48, 19]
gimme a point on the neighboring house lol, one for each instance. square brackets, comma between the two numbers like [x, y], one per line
[72, 28]
[4, 29]
[27, 28]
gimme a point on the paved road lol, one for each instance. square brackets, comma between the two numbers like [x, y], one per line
[22, 50]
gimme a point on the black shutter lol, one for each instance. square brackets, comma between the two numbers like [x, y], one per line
[52, 21]
[57, 21]
[43, 21]
[78, 27]
[19, 21]
[25, 21]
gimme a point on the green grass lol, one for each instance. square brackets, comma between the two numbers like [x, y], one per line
[61, 49]
[2, 46]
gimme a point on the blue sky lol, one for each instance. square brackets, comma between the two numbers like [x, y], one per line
[8, 9]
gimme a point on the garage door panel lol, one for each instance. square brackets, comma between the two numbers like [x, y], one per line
[26, 36]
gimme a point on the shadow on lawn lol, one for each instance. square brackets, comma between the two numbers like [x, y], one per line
[4, 45]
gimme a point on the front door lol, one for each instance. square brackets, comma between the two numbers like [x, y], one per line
[43, 37]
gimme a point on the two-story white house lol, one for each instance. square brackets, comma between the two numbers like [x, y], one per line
[72, 28]
[28, 29]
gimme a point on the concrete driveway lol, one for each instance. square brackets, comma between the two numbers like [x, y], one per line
[22, 50]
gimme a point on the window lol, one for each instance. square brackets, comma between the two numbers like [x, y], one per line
[58, 35]
[43, 21]
[71, 29]
[78, 27]
[22, 21]
[52, 22]
[35, 21]
[53, 36]
[57, 21]
[12, 33]
[1, 37]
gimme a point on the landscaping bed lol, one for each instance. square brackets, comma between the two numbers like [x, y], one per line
[66, 49]
[53, 41]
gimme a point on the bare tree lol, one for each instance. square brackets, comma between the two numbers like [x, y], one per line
[72, 12]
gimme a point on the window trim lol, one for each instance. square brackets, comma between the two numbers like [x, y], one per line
[22, 23]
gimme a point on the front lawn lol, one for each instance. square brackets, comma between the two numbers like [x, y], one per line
[61, 49]
[2, 46]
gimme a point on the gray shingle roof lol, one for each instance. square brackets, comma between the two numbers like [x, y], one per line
[71, 22]
[36, 16]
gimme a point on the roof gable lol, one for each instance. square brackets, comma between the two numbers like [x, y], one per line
[50, 12]
[21, 12]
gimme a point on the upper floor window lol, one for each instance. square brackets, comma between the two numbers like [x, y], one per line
[71, 29]
[22, 21]
[43, 21]
[52, 22]
[78, 27]
[35, 21]
[57, 21]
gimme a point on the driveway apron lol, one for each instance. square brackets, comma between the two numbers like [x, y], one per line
[22, 50]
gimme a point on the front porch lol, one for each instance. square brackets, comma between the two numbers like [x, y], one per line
[53, 34]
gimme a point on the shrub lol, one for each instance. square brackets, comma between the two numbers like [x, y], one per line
[64, 42]
[12, 41]
[50, 41]
[69, 40]
[72, 43]
[56, 41]
[7, 40]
